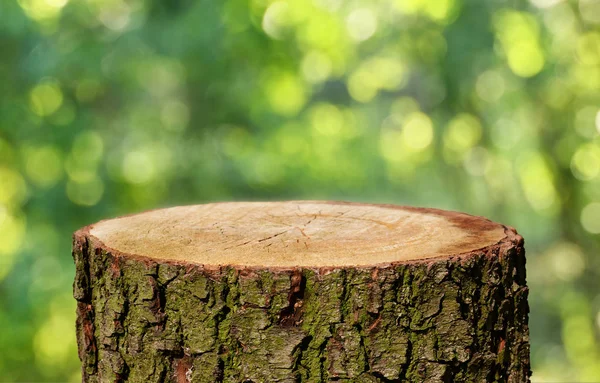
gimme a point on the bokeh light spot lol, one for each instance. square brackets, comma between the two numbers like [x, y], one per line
[375, 74]
[403, 139]
[323, 31]
[43, 165]
[443, 11]
[80, 171]
[585, 163]
[440, 10]
[45, 98]
[362, 86]
[537, 181]
[418, 131]
[327, 120]
[286, 93]
[525, 59]
[88, 146]
[545, 3]
[590, 218]
[587, 77]
[490, 86]
[361, 24]
[462, 133]
[139, 167]
[115, 15]
[278, 17]
[519, 34]
[87, 151]
[566, 260]
[42, 10]
[316, 67]
[14, 188]
[388, 72]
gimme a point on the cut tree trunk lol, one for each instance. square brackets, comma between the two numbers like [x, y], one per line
[301, 292]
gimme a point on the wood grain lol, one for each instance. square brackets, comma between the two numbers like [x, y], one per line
[296, 234]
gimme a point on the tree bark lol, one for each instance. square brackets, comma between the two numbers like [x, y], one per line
[458, 317]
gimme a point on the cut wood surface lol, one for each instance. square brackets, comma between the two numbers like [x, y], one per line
[291, 234]
[301, 291]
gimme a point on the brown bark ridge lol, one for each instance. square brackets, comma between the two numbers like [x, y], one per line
[301, 291]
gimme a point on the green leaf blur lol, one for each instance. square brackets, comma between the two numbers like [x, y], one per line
[110, 107]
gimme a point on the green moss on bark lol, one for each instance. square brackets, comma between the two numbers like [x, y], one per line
[460, 319]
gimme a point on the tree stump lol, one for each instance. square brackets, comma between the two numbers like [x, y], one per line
[301, 292]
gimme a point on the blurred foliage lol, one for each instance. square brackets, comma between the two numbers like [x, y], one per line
[115, 106]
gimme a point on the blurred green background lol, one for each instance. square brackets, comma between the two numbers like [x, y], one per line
[116, 106]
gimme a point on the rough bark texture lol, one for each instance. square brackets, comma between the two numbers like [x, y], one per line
[451, 319]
